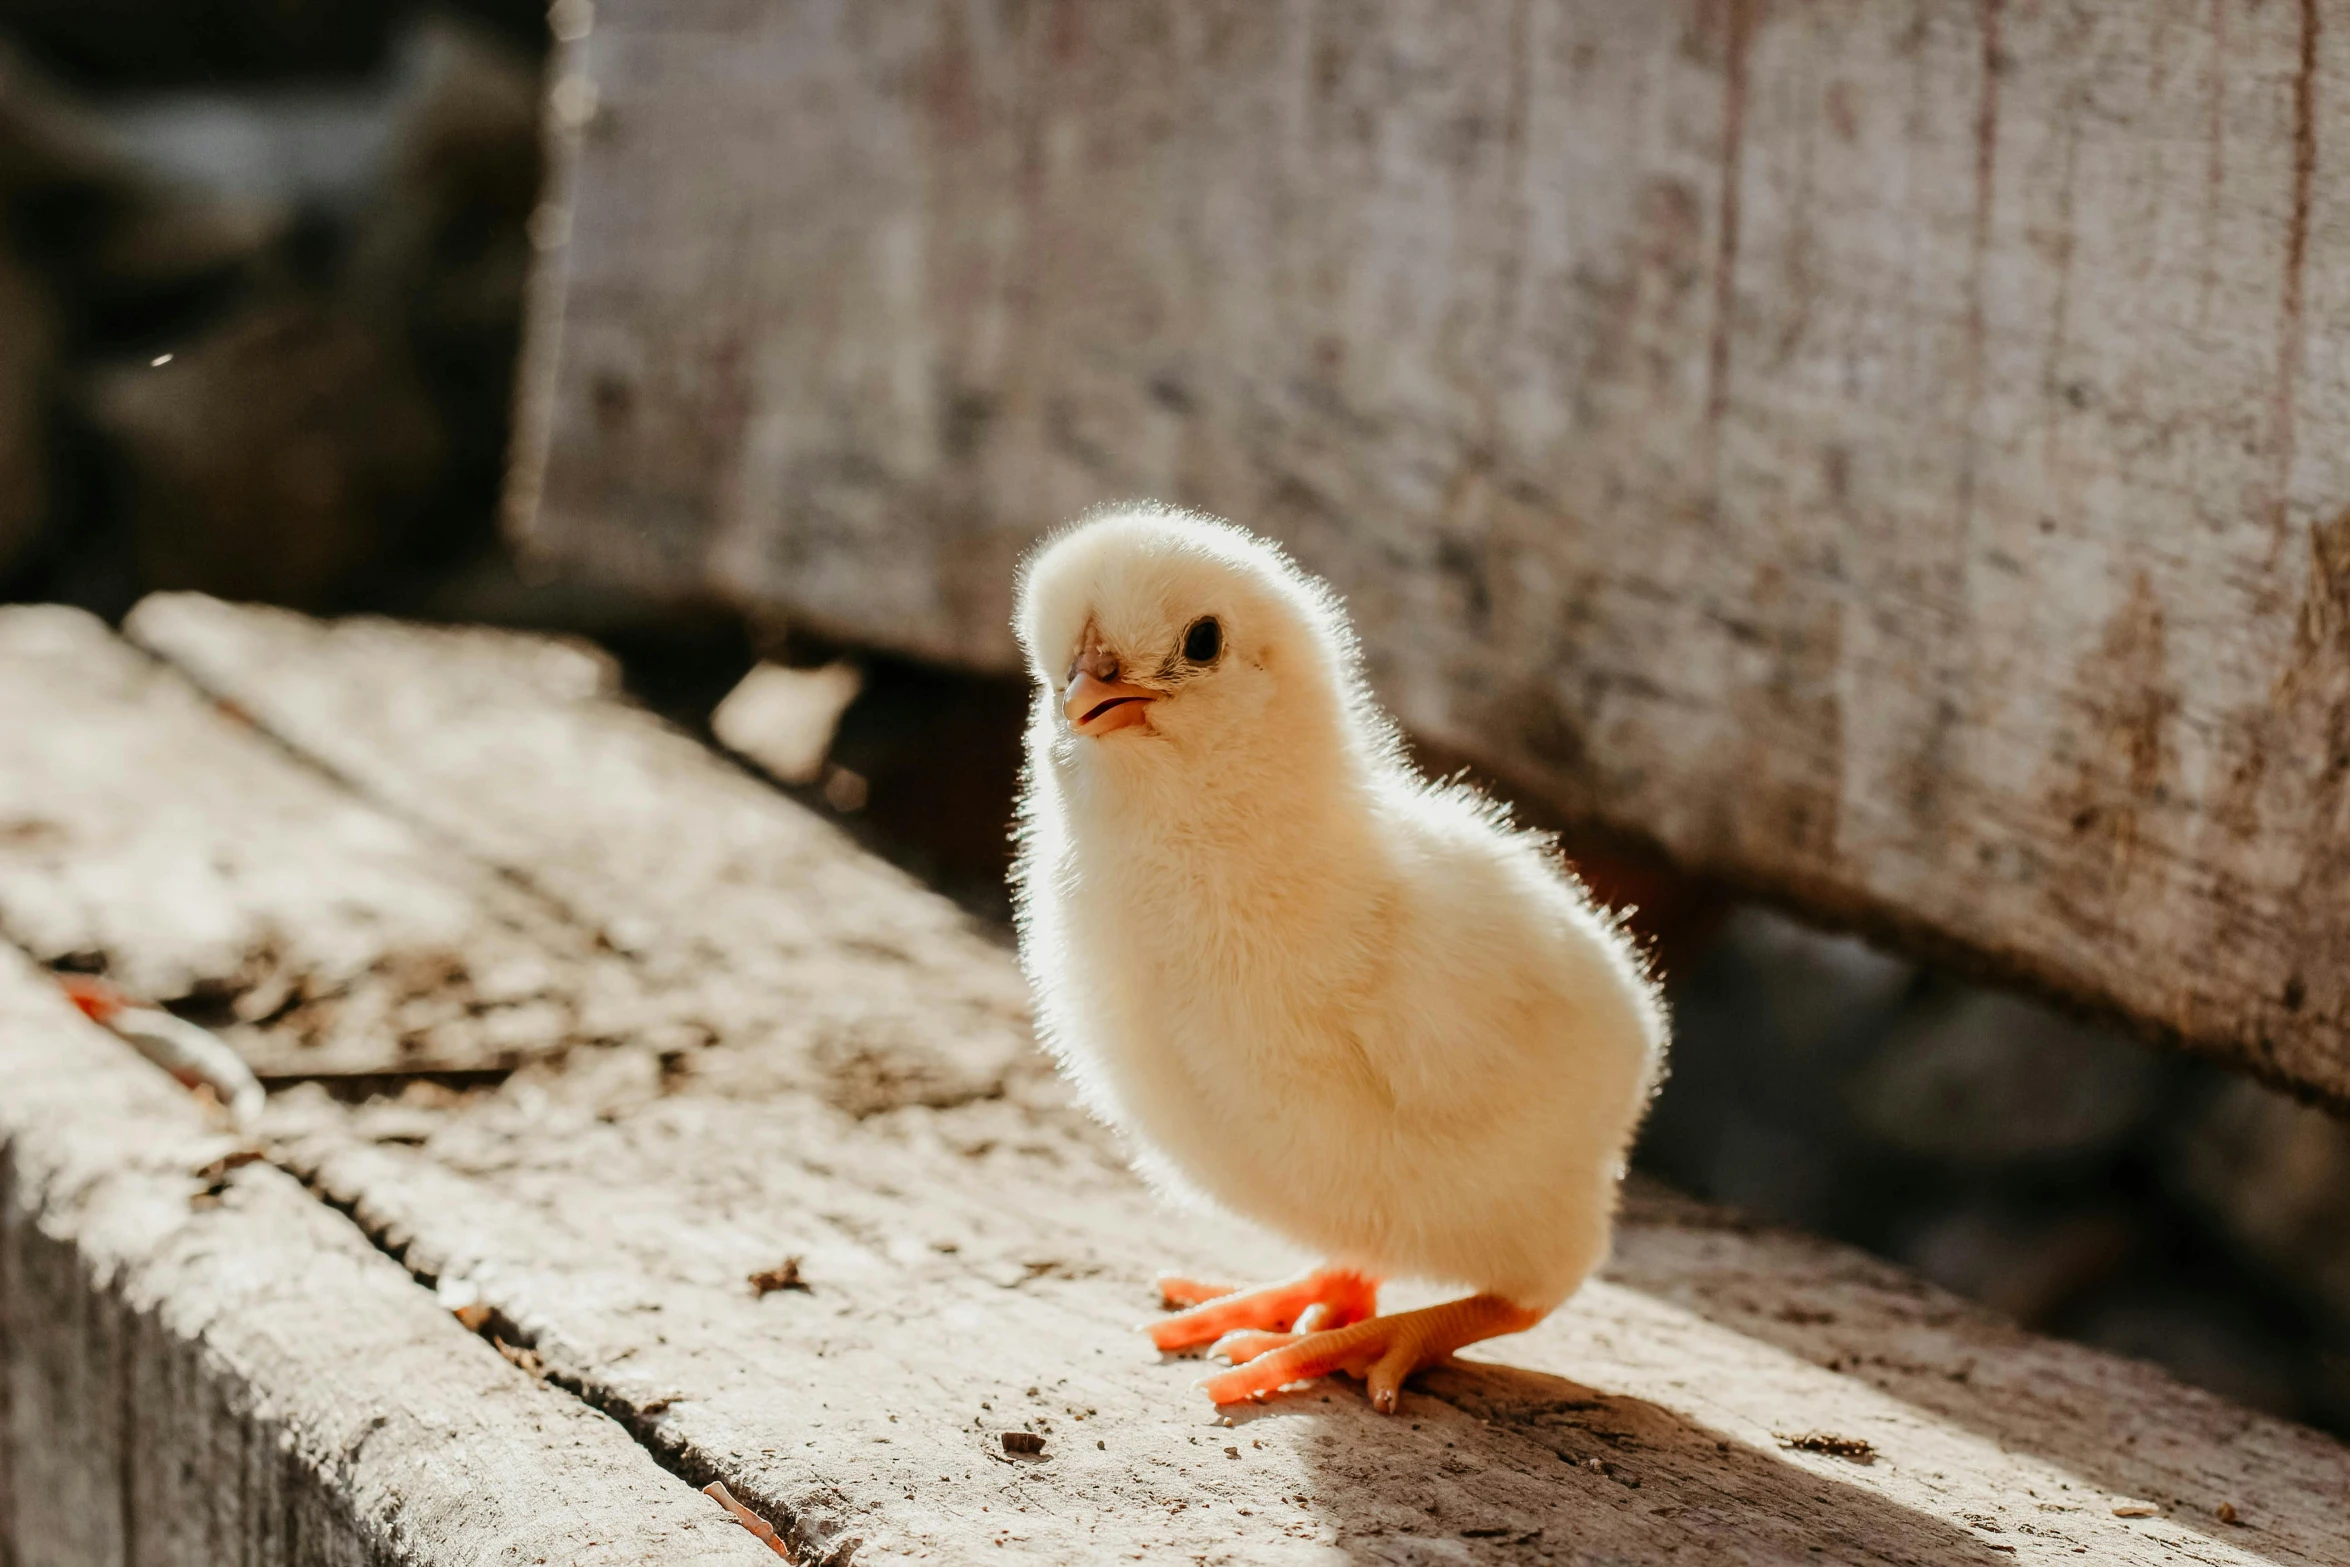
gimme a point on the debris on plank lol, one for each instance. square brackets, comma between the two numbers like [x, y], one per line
[461, 1298]
[215, 1173]
[195, 1056]
[717, 1492]
[846, 791]
[785, 1275]
[1023, 1442]
[523, 1357]
[1858, 1449]
[2225, 1512]
[2136, 1510]
[784, 719]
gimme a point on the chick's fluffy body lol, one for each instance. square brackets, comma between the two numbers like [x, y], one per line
[1311, 986]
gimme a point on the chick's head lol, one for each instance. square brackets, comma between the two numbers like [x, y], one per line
[1161, 636]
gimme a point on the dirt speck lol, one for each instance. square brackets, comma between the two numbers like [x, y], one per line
[1858, 1449]
[785, 1275]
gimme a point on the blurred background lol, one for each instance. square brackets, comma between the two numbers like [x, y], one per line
[260, 301]
[261, 292]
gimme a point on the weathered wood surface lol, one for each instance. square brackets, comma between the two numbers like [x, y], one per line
[1893, 455]
[241, 1377]
[761, 920]
[146, 832]
[962, 1250]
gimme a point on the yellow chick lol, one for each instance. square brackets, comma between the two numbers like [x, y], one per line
[1311, 986]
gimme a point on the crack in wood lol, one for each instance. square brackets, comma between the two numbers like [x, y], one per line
[640, 1419]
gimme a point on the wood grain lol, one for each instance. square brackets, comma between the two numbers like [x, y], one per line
[242, 1377]
[757, 918]
[975, 1264]
[153, 834]
[1893, 457]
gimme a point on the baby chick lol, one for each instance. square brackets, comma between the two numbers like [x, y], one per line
[1309, 985]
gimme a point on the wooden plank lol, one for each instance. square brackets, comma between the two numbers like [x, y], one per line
[242, 1377]
[868, 1408]
[147, 831]
[762, 918]
[1893, 457]
[960, 1253]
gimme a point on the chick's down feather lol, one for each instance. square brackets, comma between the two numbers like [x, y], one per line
[1309, 985]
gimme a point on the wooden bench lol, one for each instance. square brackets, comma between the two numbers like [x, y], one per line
[1896, 458]
[1892, 460]
[659, 1030]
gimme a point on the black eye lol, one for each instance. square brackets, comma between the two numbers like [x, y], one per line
[1203, 641]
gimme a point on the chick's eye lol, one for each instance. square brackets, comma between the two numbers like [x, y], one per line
[1203, 641]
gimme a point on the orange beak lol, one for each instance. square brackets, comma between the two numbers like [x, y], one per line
[1097, 707]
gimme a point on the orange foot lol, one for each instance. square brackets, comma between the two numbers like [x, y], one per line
[1382, 1351]
[1334, 1297]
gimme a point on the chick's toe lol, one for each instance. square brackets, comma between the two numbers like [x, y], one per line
[1178, 1290]
[1383, 1350]
[1247, 1344]
[1345, 1296]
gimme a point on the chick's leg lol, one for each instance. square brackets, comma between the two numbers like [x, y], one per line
[1382, 1351]
[1348, 1296]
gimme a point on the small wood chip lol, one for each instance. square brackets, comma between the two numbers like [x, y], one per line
[717, 1492]
[2135, 1510]
[463, 1300]
[785, 1275]
[2226, 1513]
[525, 1358]
[1023, 1442]
[197, 1057]
[1857, 1449]
[215, 1174]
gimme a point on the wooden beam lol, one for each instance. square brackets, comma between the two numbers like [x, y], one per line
[974, 1264]
[201, 1364]
[153, 834]
[1892, 457]
[757, 920]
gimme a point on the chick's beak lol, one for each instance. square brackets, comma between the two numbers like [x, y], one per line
[1096, 706]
